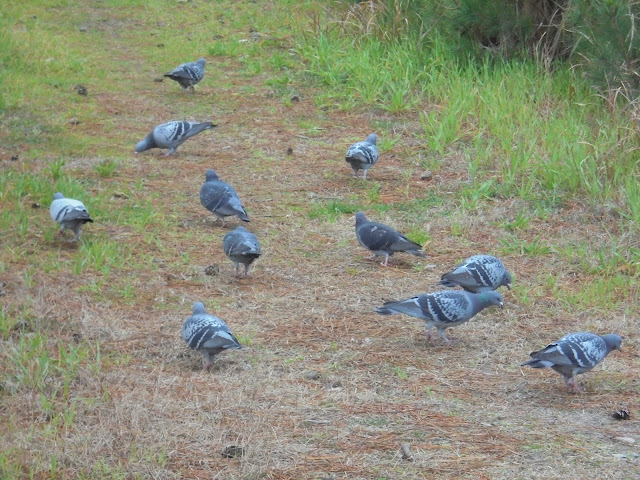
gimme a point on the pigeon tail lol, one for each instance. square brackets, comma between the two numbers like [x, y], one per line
[199, 127]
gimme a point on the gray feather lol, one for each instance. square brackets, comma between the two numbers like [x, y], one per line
[69, 214]
[171, 135]
[220, 198]
[363, 155]
[188, 74]
[574, 354]
[208, 334]
[478, 273]
[383, 240]
[242, 247]
[443, 309]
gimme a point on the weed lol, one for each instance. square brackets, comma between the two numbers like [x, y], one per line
[106, 168]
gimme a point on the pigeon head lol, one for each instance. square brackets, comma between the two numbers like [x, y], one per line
[360, 218]
[491, 298]
[240, 228]
[506, 280]
[372, 138]
[198, 308]
[58, 196]
[211, 175]
[201, 62]
[145, 144]
[612, 341]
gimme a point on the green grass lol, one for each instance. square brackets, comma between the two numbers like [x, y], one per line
[526, 164]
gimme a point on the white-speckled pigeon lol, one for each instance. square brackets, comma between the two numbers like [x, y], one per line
[220, 198]
[188, 74]
[478, 273]
[383, 240]
[443, 309]
[70, 214]
[171, 135]
[363, 155]
[207, 334]
[574, 354]
[241, 246]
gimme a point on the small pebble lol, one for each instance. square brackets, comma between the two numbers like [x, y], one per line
[295, 98]
[312, 376]
[158, 79]
[426, 175]
[628, 440]
[35, 205]
[14, 158]
[74, 121]
[83, 29]
[289, 151]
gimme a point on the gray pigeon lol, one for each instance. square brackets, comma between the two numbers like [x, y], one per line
[221, 199]
[382, 240]
[171, 135]
[241, 246]
[443, 309]
[574, 354]
[363, 155]
[70, 214]
[478, 273]
[208, 334]
[188, 74]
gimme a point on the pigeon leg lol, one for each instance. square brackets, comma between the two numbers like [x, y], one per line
[170, 152]
[386, 260]
[246, 270]
[573, 384]
[207, 361]
[446, 340]
[364, 174]
[61, 231]
[428, 333]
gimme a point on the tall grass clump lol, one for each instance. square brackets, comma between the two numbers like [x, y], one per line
[538, 134]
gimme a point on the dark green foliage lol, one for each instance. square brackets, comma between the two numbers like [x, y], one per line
[608, 43]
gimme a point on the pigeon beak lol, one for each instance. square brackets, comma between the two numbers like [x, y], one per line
[501, 304]
[508, 286]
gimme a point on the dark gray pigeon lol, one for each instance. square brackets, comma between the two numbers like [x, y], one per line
[443, 309]
[171, 135]
[383, 240]
[241, 246]
[188, 74]
[207, 334]
[363, 155]
[574, 354]
[70, 214]
[478, 273]
[221, 199]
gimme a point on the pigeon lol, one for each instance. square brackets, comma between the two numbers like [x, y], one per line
[208, 334]
[478, 273]
[443, 309]
[188, 74]
[70, 214]
[383, 240]
[574, 354]
[221, 199]
[363, 155]
[241, 246]
[171, 135]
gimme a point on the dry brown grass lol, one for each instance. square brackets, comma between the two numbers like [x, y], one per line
[326, 388]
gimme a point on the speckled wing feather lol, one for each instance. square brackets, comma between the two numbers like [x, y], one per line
[221, 199]
[478, 273]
